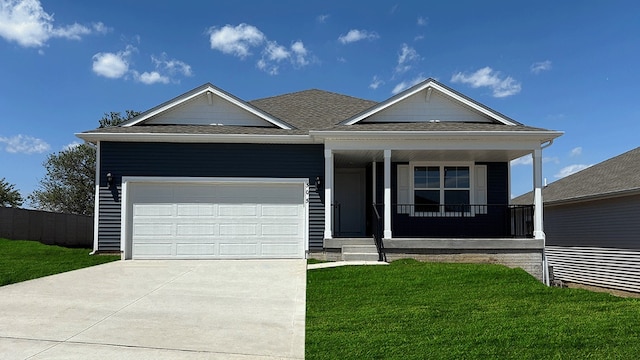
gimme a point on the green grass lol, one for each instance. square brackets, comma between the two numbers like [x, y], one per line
[413, 310]
[24, 260]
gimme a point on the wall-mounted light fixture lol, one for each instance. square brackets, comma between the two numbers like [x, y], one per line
[318, 182]
[109, 179]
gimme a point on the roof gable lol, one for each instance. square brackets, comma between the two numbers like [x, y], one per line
[207, 105]
[430, 101]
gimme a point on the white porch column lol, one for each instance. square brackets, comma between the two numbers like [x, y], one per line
[387, 194]
[328, 193]
[538, 231]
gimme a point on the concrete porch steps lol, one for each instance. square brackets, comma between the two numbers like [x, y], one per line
[360, 251]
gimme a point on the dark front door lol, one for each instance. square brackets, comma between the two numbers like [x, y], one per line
[350, 200]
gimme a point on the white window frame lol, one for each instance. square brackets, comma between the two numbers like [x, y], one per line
[441, 165]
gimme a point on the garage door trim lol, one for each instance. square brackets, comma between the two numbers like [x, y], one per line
[126, 245]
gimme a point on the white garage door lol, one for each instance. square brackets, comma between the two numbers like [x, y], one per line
[217, 220]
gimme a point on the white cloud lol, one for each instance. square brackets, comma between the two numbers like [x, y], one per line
[571, 169]
[26, 22]
[407, 56]
[541, 66]
[322, 18]
[112, 65]
[240, 40]
[577, 151]
[300, 53]
[117, 65]
[341, 59]
[150, 78]
[528, 160]
[357, 35]
[274, 53]
[422, 21]
[525, 160]
[101, 28]
[236, 41]
[407, 84]
[375, 82]
[24, 144]
[487, 77]
[418, 37]
[71, 145]
[171, 66]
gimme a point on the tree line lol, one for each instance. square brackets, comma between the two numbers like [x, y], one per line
[69, 183]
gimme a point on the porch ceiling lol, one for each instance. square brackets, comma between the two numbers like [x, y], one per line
[349, 158]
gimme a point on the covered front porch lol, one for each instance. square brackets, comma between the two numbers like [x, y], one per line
[432, 200]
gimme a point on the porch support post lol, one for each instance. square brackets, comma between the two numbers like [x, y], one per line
[387, 194]
[328, 193]
[538, 231]
[374, 175]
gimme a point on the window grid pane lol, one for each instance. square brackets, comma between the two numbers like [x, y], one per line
[456, 177]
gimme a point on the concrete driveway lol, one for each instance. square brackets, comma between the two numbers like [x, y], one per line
[191, 309]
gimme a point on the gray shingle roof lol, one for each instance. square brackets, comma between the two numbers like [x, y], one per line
[312, 109]
[617, 175]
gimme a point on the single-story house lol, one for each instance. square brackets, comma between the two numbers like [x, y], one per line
[313, 173]
[592, 224]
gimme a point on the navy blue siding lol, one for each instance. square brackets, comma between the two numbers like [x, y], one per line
[206, 160]
[487, 225]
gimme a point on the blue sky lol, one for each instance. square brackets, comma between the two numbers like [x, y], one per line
[569, 66]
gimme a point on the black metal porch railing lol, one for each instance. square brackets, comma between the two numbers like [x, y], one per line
[337, 226]
[377, 232]
[517, 220]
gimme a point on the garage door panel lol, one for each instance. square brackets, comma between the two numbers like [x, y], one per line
[290, 250]
[196, 249]
[187, 229]
[153, 249]
[217, 220]
[235, 211]
[153, 210]
[239, 229]
[238, 249]
[280, 230]
[196, 210]
[152, 229]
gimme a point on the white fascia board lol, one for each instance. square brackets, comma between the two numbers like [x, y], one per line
[541, 136]
[433, 145]
[199, 138]
[221, 94]
[431, 84]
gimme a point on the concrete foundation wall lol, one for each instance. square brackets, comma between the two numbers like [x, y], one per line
[528, 260]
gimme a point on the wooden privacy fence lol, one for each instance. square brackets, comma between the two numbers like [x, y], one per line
[49, 228]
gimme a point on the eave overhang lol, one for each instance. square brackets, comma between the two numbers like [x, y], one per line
[197, 138]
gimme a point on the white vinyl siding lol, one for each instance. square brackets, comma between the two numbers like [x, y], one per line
[422, 108]
[199, 111]
[217, 220]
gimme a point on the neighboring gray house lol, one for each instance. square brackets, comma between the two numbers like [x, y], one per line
[317, 174]
[592, 224]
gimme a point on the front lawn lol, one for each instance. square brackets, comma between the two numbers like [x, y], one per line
[413, 310]
[25, 260]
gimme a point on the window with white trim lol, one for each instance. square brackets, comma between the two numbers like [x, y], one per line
[441, 188]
